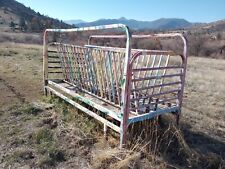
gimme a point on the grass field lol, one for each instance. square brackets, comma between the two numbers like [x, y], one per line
[43, 132]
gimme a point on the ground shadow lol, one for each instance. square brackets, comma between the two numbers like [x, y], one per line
[202, 142]
[179, 145]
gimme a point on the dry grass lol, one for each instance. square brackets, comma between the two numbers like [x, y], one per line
[204, 96]
[21, 69]
[19, 37]
[198, 143]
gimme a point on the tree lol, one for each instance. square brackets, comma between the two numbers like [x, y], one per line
[73, 26]
[197, 44]
[149, 44]
[219, 36]
[35, 25]
[12, 25]
[5, 10]
[22, 24]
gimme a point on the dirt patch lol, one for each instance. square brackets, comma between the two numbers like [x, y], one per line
[12, 90]
[8, 94]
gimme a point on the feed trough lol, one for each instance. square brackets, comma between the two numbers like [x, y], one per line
[117, 86]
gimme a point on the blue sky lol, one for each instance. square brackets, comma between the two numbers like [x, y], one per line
[90, 10]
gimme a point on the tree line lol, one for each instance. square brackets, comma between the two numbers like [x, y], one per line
[37, 24]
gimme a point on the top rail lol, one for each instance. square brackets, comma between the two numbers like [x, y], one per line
[161, 35]
[112, 26]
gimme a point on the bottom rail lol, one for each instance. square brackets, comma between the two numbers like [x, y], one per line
[87, 111]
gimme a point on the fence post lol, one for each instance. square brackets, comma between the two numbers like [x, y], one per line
[125, 98]
[45, 61]
[185, 55]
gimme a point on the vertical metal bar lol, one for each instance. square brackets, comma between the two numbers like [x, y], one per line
[105, 131]
[139, 74]
[164, 72]
[134, 83]
[184, 64]
[120, 56]
[145, 73]
[75, 66]
[102, 72]
[125, 103]
[150, 73]
[143, 82]
[79, 74]
[116, 76]
[45, 61]
[69, 63]
[88, 68]
[60, 51]
[83, 53]
[81, 60]
[107, 75]
[98, 75]
[120, 63]
[111, 77]
[94, 75]
[61, 60]
[95, 64]
[157, 72]
[64, 60]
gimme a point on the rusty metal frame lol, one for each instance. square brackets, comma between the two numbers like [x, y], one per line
[125, 85]
[138, 53]
[123, 111]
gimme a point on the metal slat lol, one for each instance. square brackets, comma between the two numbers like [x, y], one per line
[54, 67]
[155, 68]
[55, 72]
[54, 61]
[157, 102]
[156, 77]
[155, 86]
[156, 94]
[52, 51]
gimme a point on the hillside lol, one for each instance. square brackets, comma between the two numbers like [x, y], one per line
[207, 39]
[16, 16]
[159, 24]
[212, 27]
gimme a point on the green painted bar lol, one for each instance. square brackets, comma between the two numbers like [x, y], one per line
[115, 115]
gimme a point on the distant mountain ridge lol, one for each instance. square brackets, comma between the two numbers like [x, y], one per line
[159, 24]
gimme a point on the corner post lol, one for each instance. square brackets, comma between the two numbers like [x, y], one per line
[45, 61]
[125, 98]
[181, 93]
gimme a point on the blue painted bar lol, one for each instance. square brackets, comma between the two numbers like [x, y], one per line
[152, 114]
